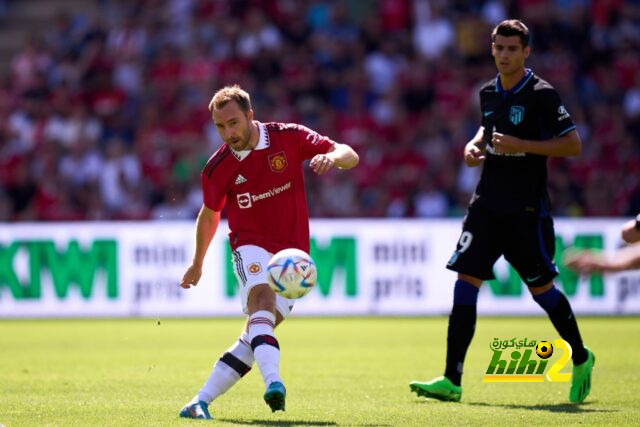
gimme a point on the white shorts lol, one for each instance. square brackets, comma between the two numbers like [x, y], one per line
[250, 267]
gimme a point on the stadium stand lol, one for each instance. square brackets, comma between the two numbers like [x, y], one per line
[103, 109]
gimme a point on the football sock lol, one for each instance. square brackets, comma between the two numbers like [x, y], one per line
[559, 310]
[232, 365]
[266, 349]
[462, 325]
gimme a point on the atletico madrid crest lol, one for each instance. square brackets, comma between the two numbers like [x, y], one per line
[516, 114]
[277, 161]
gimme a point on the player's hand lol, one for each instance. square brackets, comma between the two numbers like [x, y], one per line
[506, 143]
[320, 163]
[473, 155]
[191, 277]
[585, 262]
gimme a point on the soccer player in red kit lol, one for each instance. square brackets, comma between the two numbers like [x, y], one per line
[258, 175]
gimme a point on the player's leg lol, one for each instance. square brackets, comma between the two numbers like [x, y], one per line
[558, 308]
[531, 253]
[234, 363]
[262, 305]
[267, 349]
[238, 359]
[462, 323]
[473, 259]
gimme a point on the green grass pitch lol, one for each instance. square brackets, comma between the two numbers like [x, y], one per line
[338, 371]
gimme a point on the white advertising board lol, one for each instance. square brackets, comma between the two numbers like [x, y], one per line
[366, 267]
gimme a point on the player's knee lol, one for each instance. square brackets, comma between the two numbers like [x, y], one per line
[261, 297]
[631, 235]
[470, 279]
[537, 290]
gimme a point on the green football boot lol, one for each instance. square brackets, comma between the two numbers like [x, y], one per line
[440, 388]
[581, 378]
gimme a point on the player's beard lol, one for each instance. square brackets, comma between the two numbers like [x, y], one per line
[243, 142]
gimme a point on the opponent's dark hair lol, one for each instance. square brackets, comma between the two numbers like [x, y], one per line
[512, 27]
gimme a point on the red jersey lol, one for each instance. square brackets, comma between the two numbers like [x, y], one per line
[264, 187]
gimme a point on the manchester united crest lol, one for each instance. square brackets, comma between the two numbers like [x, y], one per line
[254, 268]
[278, 161]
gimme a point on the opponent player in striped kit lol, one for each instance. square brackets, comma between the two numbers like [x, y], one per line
[258, 174]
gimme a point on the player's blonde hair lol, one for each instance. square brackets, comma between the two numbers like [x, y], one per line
[230, 93]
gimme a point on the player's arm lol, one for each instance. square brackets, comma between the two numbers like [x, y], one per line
[340, 156]
[631, 230]
[475, 149]
[588, 261]
[206, 226]
[562, 146]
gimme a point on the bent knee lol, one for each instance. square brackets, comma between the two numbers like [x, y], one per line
[537, 290]
[470, 279]
[261, 297]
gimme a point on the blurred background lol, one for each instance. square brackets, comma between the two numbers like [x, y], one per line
[103, 103]
[104, 129]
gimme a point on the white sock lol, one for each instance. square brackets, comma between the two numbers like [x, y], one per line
[265, 345]
[232, 365]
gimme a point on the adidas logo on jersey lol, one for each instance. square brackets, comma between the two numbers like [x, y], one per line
[240, 179]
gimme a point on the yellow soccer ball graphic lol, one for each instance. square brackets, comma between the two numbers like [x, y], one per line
[544, 349]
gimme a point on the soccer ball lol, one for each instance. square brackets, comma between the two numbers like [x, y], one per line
[544, 349]
[291, 273]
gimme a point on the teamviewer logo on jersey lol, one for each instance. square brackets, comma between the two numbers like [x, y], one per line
[244, 200]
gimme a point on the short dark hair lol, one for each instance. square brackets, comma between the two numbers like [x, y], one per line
[510, 28]
[228, 94]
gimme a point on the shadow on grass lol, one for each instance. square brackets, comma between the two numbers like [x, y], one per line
[279, 422]
[566, 408]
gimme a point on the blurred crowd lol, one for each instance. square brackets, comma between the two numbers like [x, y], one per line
[104, 116]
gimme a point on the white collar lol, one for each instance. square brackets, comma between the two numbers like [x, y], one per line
[263, 142]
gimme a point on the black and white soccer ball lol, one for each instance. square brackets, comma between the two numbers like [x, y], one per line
[544, 349]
